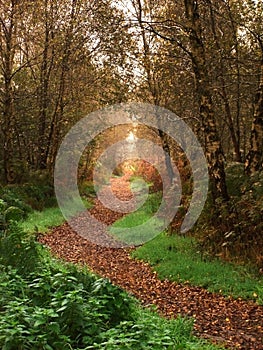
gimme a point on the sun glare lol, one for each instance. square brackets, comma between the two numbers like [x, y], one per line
[131, 137]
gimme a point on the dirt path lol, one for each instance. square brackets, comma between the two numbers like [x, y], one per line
[236, 323]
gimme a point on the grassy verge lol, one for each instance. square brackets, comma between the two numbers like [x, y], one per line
[43, 221]
[177, 258]
[141, 217]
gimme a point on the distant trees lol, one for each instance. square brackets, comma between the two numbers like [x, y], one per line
[206, 54]
[9, 45]
[58, 61]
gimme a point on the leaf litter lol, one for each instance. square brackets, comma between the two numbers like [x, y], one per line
[235, 323]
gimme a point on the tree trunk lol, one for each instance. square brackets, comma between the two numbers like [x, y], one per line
[57, 117]
[43, 95]
[213, 149]
[221, 75]
[8, 99]
[254, 160]
[154, 89]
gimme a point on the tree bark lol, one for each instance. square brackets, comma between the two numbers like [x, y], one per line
[254, 160]
[43, 94]
[213, 149]
[230, 122]
[8, 53]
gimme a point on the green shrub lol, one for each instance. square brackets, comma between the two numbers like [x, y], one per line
[63, 307]
[28, 196]
[38, 196]
[18, 249]
[235, 178]
[12, 199]
[87, 189]
[13, 214]
[56, 306]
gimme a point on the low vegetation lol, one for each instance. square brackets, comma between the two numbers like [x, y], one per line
[178, 258]
[47, 304]
[137, 218]
[184, 259]
[235, 234]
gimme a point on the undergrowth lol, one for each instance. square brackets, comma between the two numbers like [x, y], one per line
[55, 305]
[233, 230]
[47, 304]
[29, 196]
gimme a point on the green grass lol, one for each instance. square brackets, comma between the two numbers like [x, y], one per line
[139, 217]
[178, 259]
[56, 305]
[43, 221]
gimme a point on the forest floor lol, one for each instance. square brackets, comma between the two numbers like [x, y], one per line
[234, 323]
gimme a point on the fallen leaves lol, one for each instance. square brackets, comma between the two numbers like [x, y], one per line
[236, 323]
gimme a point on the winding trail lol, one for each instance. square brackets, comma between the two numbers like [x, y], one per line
[237, 324]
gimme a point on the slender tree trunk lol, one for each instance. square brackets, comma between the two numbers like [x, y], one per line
[153, 88]
[213, 147]
[254, 160]
[43, 95]
[8, 98]
[8, 130]
[230, 122]
[55, 126]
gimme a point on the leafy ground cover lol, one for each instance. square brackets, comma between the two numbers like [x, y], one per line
[28, 197]
[178, 259]
[236, 323]
[42, 221]
[35, 319]
[48, 304]
[174, 257]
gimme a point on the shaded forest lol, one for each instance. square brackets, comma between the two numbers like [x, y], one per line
[202, 60]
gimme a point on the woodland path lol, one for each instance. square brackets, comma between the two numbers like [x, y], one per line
[237, 324]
